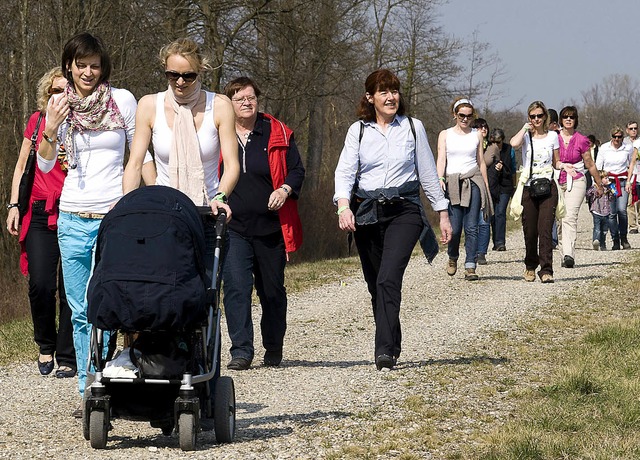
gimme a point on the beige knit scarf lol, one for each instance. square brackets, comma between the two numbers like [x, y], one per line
[185, 165]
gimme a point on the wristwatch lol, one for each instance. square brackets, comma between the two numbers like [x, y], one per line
[13, 205]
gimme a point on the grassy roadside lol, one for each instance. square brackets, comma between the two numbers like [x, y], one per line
[565, 385]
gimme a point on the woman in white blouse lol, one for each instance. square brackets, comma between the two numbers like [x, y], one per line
[538, 213]
[385, 161]
[618, 159]
[86, 131]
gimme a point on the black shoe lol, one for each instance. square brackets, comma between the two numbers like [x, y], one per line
[502, 247]
[272, 358]
[385, 361]
[239, 364]
[45, 368]
[568, 262]
[65, 372]
[481, 259]
[616, 246]
[78, 412]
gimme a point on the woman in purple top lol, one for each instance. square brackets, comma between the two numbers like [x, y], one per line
[575, 160]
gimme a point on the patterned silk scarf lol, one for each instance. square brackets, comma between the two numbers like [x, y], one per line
[96, 112]
[185, 165]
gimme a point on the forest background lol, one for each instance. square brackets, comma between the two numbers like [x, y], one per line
[310, 59]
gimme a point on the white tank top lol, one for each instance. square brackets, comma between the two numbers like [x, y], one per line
[462, 151]
[207, 138]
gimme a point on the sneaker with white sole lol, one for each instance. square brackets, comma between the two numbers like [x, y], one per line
[529, 275]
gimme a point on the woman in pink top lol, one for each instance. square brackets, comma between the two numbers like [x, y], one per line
[575, 160]
[39, 243]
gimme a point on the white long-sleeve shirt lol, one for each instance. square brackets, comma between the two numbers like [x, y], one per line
[382, 160]
[96, 183]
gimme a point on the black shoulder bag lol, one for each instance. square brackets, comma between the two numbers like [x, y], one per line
[540, 187]
[29, 173]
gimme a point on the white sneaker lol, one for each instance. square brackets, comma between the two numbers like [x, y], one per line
[596, 245]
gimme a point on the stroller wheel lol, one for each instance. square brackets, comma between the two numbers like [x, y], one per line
[224, 410]
[187, 431]
[98, 427]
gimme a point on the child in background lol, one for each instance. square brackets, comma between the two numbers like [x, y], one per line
[600, 207]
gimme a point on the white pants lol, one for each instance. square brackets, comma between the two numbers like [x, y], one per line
[572, 200]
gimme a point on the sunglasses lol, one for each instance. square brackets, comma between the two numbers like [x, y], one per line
[55, 91]
[634, 128]
[464, 116]
[538, 116]
[617, 137]
[569, 117]
[188, 77]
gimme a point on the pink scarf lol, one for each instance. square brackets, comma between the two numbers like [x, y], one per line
[96, 112]
[185, 165]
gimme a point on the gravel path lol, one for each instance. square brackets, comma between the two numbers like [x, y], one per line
[327, 377]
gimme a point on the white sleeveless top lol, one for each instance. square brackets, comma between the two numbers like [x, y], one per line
[462, 151]
[207, 138]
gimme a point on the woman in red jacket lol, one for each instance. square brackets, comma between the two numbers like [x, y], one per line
[264, 229]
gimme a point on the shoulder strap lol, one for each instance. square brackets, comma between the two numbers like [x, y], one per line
[531, 162]
[34, 136]
[413, 129]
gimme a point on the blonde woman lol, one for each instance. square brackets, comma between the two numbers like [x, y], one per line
[540, 146]
[463, 176]
[39, 251]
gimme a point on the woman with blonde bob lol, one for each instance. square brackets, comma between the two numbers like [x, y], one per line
[463, 176]
[39, 250]
[538, 213]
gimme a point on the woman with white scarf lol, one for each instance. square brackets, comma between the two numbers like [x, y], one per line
[86, 132]
[188, 127]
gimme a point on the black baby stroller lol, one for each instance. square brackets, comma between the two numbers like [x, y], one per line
[150, 282]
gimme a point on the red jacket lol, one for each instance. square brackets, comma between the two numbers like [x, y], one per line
[288, 213]
[277, 148]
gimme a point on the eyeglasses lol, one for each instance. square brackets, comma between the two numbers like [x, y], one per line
[242, 100]
[539, 116]
[464, 116]
[188, 77]
[617, 137]
[634, 128]
[569, 117]
[55, 91]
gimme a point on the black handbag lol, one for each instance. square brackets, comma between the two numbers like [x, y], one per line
[29, 173]
[540, 187]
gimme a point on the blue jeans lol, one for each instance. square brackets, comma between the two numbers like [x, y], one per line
[484, 233]
[600, 225]
[259, 259]
[77, 238]
[618, 222]
[499, 221]
[468, 218]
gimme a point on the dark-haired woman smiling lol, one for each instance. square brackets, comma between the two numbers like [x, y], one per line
[93, 122]
[387, 157]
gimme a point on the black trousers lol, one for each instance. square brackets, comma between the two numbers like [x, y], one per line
[385, 249]
[45, 278]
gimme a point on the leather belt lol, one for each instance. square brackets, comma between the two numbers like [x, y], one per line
[87, 215]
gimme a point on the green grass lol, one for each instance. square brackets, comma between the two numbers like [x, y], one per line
[16, 342]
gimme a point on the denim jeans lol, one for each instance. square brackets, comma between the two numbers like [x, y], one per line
[484, 233]
[466, 217]
[77, 238]
[618, 218]
[259, 259]
[600, 225]
[499, 221]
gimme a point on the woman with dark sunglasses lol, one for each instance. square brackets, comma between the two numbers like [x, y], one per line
[39, 251]
[187, 126]
[618, 158]
[575, 160]
[463, 177]
[539, 155]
